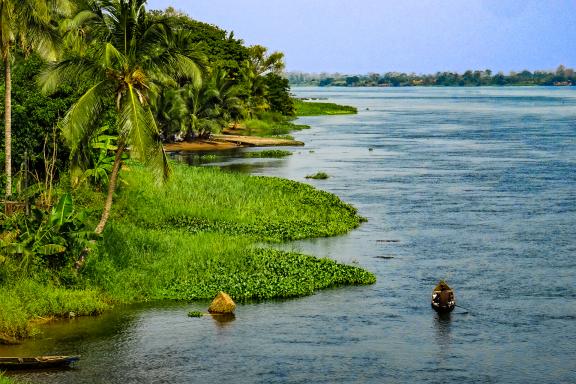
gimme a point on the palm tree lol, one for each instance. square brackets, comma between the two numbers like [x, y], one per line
[125, 57]
[170, 112]
[25, 23]
[226, 95]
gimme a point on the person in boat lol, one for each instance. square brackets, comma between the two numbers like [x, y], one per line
[443, 298]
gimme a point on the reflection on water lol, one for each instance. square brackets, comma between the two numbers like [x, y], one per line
[442, 322]
[223, 320]
[473, 185]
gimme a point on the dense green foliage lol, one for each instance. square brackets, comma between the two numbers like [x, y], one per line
[219, 46]
[237, 82]
[304, 108]
[34, 115]
[562, 76]
[279, 94]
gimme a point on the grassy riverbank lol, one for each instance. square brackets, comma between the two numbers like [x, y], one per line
[305, 108]
[200, 233]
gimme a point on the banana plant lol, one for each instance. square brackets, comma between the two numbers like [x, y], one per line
[104, 161]
[44, 236]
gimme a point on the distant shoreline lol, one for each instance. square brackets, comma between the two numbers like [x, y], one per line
[434, 86]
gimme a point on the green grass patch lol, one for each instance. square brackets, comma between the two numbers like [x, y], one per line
[200, 199]
[26, 300]
[318, 176]
[270, 128]
[137, 264]
[9, 380]
[184, 242]
[270, 154]
[304, 108]
[195, 314]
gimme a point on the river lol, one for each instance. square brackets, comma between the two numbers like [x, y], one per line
[473, 185]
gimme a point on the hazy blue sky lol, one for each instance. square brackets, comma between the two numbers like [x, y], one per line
[424, 36]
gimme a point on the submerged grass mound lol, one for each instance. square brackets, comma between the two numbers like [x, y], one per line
[304, 108]
[211, 200]
[318, 176]
[267, 154]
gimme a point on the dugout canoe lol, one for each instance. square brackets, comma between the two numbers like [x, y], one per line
[37, 362]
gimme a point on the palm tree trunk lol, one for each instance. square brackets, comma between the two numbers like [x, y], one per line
[8, 125]
[111, 188]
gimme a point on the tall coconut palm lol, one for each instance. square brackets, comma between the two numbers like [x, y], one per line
[126, 57]
[25, 23]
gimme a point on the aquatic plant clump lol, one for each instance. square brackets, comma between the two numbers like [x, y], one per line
[184, 242]
[271, 153]
[270, 273]
[318, 176]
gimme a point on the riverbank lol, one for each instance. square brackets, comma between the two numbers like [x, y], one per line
[229, 141]
[270, 130]
[187, 240]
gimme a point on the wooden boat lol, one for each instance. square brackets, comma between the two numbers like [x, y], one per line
[37, 362]
[443, 300]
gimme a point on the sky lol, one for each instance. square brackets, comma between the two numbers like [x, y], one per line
[421, 36]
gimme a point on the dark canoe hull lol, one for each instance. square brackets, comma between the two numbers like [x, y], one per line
[40, 362]
[443, 309]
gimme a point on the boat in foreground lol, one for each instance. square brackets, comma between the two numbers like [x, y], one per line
[37, 362]
[443, 300]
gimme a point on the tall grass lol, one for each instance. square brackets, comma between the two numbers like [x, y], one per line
[8, 380]
[26, 299]
[211, 200]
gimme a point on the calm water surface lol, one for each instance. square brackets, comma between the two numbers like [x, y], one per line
[475, 185]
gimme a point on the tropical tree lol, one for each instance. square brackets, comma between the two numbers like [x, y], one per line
[226, 93]
[262, 63]
[126, 57]
[170, 111]
[213, 104]
[25, 24]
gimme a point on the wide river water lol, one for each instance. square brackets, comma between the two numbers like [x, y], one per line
[473, 185]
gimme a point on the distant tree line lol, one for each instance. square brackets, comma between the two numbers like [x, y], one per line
[560, 77]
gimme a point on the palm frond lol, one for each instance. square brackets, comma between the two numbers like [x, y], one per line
[71, 69]
[79, 123]
[138, 126]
